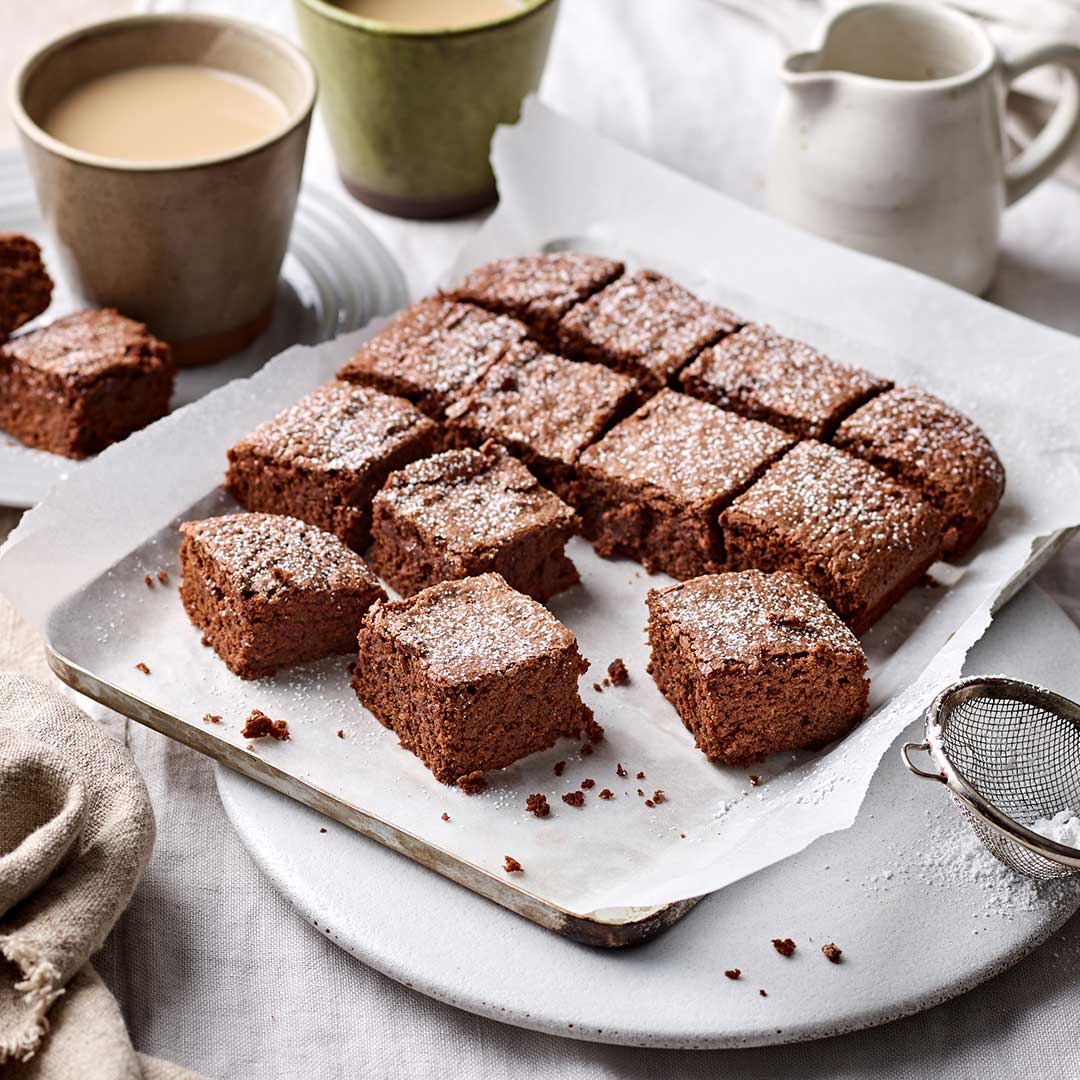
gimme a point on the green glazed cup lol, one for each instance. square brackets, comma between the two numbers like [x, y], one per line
[411, 112]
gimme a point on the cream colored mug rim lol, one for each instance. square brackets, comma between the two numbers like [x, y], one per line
[39, 135]
[349, 19]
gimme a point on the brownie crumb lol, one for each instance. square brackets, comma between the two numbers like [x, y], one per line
[617, 672]
[258, 725]
[733, 973]
[537, 804]
[587, 783]
[593, 730]
[762, 993]
[163, 577]
[149, 581]
[607, 793]
[512, 866]
[682, 836]
[250, 746]
[341, 733]
[649, 803]
[659, 796]
[574, 798]
[586, 750]
[832, 952]
[445, 816]
[597, 687]
[205, 642]
[620, 771]
[560, 768]
[322, 830]
[640, 792]
[754, 779]
[472, 782]
[640, 776]
[140, 666]
[784, 946]
[211, 718]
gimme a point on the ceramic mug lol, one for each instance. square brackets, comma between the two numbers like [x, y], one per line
[411, 112]
[889, 138]
[191, 248]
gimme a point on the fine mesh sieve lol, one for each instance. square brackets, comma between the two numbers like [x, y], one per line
[1009, 753]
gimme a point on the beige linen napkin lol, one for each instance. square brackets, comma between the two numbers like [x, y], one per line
[76, 829]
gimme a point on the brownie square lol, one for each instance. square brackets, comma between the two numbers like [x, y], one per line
[83, 382]
[918, 439]
[653, 486]
[324, 458]
[644, 325]
[538, 289]
[761, 374]
[432, 352]
[860, 539]
[754, 664]
[25, 287]
[470, 675]
[544, 408]
[469, 512]
[268, 590]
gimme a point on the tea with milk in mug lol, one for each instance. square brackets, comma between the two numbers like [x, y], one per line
[431, 14]
[166, 112]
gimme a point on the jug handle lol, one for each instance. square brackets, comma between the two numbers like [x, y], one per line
[1049, 148]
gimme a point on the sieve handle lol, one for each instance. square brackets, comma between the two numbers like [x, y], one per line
[905, 752]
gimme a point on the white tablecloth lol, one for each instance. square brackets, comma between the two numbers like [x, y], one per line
[215, 971]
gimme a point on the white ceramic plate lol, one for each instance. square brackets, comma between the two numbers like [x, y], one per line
[336, 277]
[920, 910]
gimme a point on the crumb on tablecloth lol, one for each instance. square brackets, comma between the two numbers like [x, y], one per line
[607, 793]
[574, 798]
[597, 687]
[140, 666]
[762, 993]
[445, 816]
[537, 804]
[617, 672]
[619, 770]
[211, 718]
[754, 779]
[594, 730]
[640, 776]
[149, 581]
[512, 866]
[832, 952]
[658, 796]
[259, 725]
[341, 733]
[733, 973]
[559, 768]
[784, 946]
[586, 750]
[472, 783]
[163, 577]
[587, 783]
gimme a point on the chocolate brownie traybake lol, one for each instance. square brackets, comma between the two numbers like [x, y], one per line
[860, 539]
[645, 325]
[25, 286]
[468, 512]
[269, 591]
[918, 439]
[471, 676]
[537, 289]
[324, 458]
[83, 382]
[653, 487]
[432, 352]
[759, 373]
[544, 408]
[754, 664]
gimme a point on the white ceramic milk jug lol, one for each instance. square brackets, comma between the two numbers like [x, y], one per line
[889, 138]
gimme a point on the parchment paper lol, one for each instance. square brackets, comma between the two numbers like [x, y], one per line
[561, 186]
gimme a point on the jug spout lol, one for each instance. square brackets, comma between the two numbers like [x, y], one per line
[805, 67]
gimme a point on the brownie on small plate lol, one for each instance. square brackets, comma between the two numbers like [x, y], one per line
[269, 591]
[860, 539]
[468, 512]
[83, 382]
[25, 286]
[755, 663]
[545, 409]
[537, 289]
[432, 352]
[645, 325]
[653, 486]
[761, 374]
[928, 445]
[470, 675]
[324, 458]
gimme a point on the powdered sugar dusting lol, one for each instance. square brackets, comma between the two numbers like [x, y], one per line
[470, 499]
[264, 554]
[771, 377]
[751, 617]
[338, 427]
[687, 448]
[467, 629]
[1063, 827]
